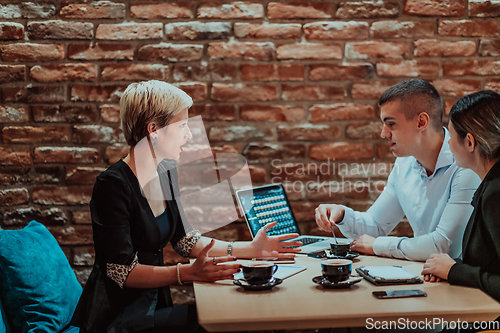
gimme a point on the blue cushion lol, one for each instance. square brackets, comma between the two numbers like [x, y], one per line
[3, 320]
[38, 288]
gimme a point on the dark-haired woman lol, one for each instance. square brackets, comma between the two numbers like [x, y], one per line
[475, 143]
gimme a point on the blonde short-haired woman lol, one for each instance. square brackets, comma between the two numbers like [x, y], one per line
[128, 289]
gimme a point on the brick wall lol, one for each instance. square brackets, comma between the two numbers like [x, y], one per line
[293, 86]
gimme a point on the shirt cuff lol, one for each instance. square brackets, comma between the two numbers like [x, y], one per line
[186, 244]
[346, 223]
[119, 273]
[387, 246]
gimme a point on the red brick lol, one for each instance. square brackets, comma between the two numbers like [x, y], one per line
[66, 155]
[405, 29]
[309, 51]
[290, 172]
[449, 87]
[364, 130]
[270, 151]
[493, 84]
[11, 30]
[14, 196]
[468, 28]
[273, 72]
[64, 113]
[308, 132]
[129, 31]
[79, 235]
[484, 8]
[170, 52]
[31, 52]
[64, 72]
[134, 72]
[272, 112]
[14, 156]
[311, 92]
[197, 91]
[60, 30]
[21, 216]
[336, 30]
[448, 104]
[303, 211]
[62, 195]
[82, 175]
[367, 9]
[205, 72]
[12, 73]
[110, 113]
[365, 50]
[243, 92]
[100, 51]
[342, 71]
[267, 30]
[213, 112]
[298, 10]
[84, 256]
[341, 111]
[370, 90]
[238, 50]
[38, 94]
[239, 133]
[472, 67]
[408, 68]
[37, 10]
[47, 175]
[82, 217]
[198, 30]
[115, 152]
[9, 11]
[230, 10]
[97, 134]
[97, 93]
[11, 114]
[93, 10]
[30, 134]
[489, 47]
[453, 8]
[162, 10]
[441, 48]
[341, 151]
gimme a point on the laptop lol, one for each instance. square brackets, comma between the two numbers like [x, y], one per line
[265, 204]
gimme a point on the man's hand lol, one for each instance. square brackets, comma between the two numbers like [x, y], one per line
[363, 244]
[327, 215]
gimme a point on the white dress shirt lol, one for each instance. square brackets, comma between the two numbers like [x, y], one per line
[436, 206]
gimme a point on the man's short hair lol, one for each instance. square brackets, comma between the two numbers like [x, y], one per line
[146, 102]
[416, 96]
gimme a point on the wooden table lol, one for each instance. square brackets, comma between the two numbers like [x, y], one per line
[298, 303]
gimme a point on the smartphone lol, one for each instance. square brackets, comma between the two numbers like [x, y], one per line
[399, 293]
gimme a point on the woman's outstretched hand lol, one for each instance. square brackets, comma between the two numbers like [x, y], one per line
[210, 269]
[274, 246]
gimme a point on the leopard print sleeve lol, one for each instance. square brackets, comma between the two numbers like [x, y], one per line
[186, 243]
[119, 273]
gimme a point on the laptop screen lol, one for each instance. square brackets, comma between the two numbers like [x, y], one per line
[266, 204]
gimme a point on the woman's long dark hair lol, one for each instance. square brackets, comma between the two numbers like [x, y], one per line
[479, 115]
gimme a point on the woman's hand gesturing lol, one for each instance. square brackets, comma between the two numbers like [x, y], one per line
[274, 246]
[208, 269]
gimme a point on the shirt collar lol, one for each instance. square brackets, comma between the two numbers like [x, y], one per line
[445, 157]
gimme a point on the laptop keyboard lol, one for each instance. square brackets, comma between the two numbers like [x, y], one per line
[306, 241]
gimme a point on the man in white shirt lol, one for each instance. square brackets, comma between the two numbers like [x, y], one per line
[425, 184]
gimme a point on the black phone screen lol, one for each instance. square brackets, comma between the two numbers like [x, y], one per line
[399, 293]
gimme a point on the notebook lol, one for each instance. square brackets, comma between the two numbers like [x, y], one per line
[269, 203]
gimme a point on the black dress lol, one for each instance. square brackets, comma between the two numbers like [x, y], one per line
[480, 266]
[126, 233]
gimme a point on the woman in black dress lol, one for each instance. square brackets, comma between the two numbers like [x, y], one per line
[475, 143]
[135, 214]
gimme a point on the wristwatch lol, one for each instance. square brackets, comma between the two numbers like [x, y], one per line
[230, 249]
